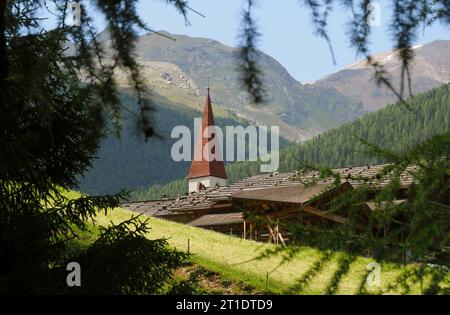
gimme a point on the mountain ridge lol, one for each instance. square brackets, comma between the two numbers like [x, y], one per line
[430, 68]
[300, 110]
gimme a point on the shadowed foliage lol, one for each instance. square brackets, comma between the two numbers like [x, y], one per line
[55, 108]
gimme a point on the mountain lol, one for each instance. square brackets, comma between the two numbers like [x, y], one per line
[177, 73]
[394, 127]
[429, 69]
[300, 110]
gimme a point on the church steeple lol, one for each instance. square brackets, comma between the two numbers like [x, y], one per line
[204, 173]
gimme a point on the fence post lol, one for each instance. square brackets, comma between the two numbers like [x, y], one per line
[189, 246]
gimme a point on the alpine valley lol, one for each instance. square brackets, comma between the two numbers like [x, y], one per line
[177, 71]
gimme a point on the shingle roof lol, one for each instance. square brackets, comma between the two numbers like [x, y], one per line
[151, 208]
[358, 176]
[218, 219]
[206, 199]
[288, 194]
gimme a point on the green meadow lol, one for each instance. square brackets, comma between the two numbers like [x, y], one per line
[307, 271]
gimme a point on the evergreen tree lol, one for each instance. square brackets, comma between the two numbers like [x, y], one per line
[55, 107]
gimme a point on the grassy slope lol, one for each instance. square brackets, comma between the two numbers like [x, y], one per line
[231, 258]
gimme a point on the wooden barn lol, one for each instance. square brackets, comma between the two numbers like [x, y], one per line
[243, 207]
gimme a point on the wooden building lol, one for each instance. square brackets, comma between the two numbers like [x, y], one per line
[241, 208]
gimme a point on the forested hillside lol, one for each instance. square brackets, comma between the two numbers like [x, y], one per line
[395, 127]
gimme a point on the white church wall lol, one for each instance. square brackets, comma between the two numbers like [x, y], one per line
[207, 181]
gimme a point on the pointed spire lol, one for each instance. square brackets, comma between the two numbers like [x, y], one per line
[203, 167]
[208, 116]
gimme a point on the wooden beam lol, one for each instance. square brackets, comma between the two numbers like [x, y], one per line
[245, 230]
[269, 240]
[284, 212]
[251, 231]
[324, 214]
[329, 216]
[221, 205]
[281, 239]
[194, 209]
[276, 233]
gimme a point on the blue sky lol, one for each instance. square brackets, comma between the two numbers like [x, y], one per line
[286, 28]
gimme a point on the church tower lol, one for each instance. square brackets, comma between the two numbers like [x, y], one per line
[204, 173]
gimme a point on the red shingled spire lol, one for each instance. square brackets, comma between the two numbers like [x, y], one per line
[203, 167]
